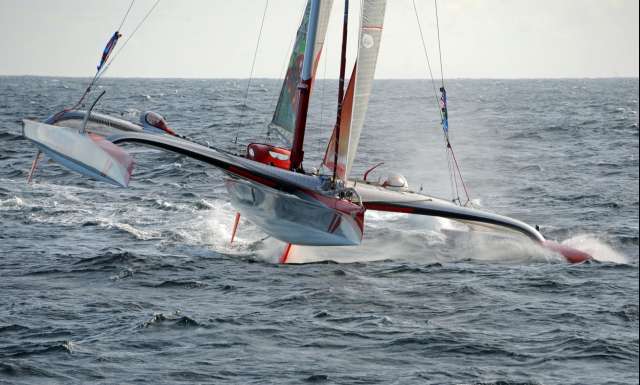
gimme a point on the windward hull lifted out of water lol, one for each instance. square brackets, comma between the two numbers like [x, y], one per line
[292, 207]
[268, 184]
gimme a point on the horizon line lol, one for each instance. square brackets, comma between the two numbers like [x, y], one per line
[280, 78]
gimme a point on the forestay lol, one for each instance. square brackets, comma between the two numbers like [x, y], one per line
[356, 98]
[284, 116]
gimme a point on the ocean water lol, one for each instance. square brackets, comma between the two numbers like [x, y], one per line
[140, 285]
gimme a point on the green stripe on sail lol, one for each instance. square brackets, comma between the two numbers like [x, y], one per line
[284, 117]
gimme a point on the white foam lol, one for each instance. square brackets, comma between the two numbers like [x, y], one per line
[419, 239]
[505, 249]
[387, 235]
[137, 233]
[595, 247]
[11, 203]
[212, 228]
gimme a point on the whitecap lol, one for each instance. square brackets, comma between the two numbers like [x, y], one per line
[11, 203]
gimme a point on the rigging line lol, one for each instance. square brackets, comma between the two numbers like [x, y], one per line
[452, 179]
[115, 55]
[450, 148]
[97, 74]
[435, 2]
[84, 95]
[451, 175]
[466, 192]
[253, 64]
[125, 15]
[426, 55]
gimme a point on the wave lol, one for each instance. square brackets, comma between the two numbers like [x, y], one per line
[12, 328]
[31, 349]
[182, 284]
[109, 259]
[12, 203]
[172, 320]
[129, 229]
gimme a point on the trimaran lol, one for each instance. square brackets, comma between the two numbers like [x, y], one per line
[268, 184]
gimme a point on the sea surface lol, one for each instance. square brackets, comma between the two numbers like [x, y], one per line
[106, 285]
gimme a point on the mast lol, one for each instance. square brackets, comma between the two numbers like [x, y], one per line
[304, 88]
[343, 64]
[356, 97]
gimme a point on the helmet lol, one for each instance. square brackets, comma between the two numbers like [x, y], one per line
[395, 181]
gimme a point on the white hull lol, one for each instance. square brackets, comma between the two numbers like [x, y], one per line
[294, 219]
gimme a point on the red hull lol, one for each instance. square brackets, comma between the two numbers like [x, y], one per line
[570, 254]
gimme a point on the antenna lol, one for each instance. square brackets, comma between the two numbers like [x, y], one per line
[88, 113]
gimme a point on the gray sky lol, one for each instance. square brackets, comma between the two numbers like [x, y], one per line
[216, 38]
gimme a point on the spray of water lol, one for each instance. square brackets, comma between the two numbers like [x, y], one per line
[418, 239]
[597, 248]
[388, 236]
[431, 240]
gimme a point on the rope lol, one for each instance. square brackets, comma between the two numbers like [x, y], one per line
[99, 73]
[451, 173]
[125, 15]
[435, 3]
[435, 95]
[455, 175]
[449, 147]
[115, 55]
[426, 55]
[464, 186]
[253, 64]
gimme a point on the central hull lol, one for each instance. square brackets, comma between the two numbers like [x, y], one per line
[297, 219]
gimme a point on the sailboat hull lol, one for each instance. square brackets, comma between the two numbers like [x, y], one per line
[299, 219]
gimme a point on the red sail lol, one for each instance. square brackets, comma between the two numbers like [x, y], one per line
[345, 130]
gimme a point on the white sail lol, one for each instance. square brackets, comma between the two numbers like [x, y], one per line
[356, 98]
[284, 116]
[371, 24]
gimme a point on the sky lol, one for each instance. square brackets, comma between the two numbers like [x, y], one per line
[217, 38]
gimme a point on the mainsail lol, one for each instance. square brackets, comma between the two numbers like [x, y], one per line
[356, 99]
[284, 116]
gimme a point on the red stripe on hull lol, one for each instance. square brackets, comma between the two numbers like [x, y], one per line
[389, 208]
[248, 175]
